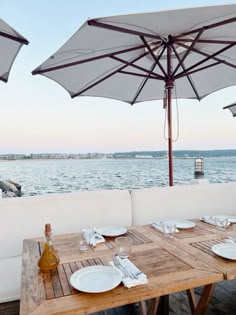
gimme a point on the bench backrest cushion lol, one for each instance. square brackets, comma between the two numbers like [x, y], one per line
[25, 217]
[182, 202]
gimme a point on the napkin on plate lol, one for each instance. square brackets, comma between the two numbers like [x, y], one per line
[158, 225]
[136, 277]
[92, 237]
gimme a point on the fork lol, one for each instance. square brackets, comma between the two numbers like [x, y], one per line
[123, 269]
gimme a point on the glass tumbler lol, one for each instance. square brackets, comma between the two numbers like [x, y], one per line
[123, 246]
[169, 229]
[221, 222]
[81, 242]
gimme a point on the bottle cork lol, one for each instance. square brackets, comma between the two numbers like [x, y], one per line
[48, 228]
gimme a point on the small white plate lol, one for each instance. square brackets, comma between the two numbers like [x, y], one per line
[95, 279]
[225, 250]
[111, 230]
[231, 219]
[183, 224]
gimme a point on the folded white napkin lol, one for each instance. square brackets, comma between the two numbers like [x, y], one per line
[136, 277]
[208, 219]
[92, 237]
[158, 225]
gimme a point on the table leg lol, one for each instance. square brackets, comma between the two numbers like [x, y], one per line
[204, 299]
[149, 307]
[163, 307]
[192, 299]
[143, 307]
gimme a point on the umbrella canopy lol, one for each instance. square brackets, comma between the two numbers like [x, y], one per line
[232, 108]
[10, 44]
[141, 57]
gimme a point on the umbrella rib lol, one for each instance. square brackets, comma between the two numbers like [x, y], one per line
[138, 67]
[187, 74]
[207, 55]
[210, 57]
[99, 81]
[139, 74]
[145, 81]
[208, 41]
[16, 39]
[207, 27]
[121, 29]
[187, 52]
[107, 76]
[75, 63]
[142, 86]
[228, 106]
[197, 70]
[4, 80]
[153, 55]
[231, 108]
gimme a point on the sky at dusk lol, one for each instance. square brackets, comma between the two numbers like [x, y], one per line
[37, 115]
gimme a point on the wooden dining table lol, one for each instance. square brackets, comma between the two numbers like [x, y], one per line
[199, 241]
[171, 265]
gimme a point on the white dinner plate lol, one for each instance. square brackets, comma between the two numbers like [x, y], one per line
[225, 250]
[184, 224]
[231, 218]
[111, 230]
[95, 279]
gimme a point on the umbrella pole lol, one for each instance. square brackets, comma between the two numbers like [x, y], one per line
[170, 150]
[169, 87]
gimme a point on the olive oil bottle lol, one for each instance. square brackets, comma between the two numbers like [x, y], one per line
[49, 259]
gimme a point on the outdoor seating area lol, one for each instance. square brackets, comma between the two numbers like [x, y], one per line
[162, 250]
[72, 212]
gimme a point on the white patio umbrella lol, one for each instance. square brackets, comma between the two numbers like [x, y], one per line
[10, 44]
[141, 57]
[232, 108]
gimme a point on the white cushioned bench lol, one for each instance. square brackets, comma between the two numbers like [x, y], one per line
[182, 202]
[25, 217]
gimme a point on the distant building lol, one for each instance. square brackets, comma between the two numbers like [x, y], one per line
[143, 156]
[48, 156]
[13, 156]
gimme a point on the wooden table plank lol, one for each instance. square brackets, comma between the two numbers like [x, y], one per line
[32, 286]
[64, 273]
[49, 292]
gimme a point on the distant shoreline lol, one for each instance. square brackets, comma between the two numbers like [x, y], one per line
[180, 154]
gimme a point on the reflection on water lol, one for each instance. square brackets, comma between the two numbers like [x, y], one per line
[50, 176]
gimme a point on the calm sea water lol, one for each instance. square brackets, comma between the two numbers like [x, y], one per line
[53, 176]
